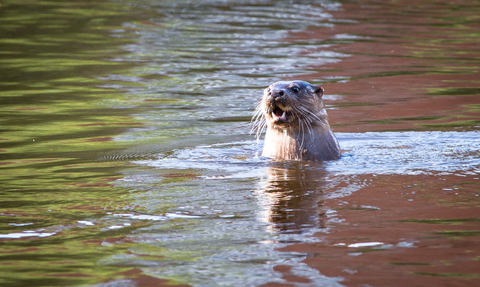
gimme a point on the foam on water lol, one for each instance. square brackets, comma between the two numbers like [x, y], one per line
[407, 153]
[363, 153]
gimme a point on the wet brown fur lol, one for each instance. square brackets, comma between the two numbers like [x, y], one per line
[303, 131]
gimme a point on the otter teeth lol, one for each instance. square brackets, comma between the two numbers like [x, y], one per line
[283, 117]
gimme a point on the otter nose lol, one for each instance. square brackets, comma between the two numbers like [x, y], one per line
[277, 94]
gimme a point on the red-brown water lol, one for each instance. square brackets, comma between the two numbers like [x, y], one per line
[416, 69]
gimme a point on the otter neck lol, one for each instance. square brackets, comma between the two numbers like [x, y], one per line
[316, 143]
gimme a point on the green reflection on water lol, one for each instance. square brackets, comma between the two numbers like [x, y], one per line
[453, 275]
[57, 118]
[454, 91]
[442, 221]
[465, 124]
[459, 233]
[69, 259]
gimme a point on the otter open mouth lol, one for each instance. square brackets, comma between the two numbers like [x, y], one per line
[280, 115]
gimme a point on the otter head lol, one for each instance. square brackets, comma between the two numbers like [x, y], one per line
[296, 121]
[286, 104]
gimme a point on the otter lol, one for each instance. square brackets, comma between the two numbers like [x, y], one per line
[296, 120]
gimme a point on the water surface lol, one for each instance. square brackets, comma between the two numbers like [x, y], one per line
[126, 158]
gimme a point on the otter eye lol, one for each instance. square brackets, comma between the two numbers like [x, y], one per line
[295, 89]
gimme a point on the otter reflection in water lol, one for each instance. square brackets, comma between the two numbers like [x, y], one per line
[296, 120]
[291, 196]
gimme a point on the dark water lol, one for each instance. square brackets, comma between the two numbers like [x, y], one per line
[126, 158]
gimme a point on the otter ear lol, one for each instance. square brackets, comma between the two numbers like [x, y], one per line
[318, 90]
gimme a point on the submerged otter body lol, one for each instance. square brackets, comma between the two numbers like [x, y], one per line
[296, 120]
